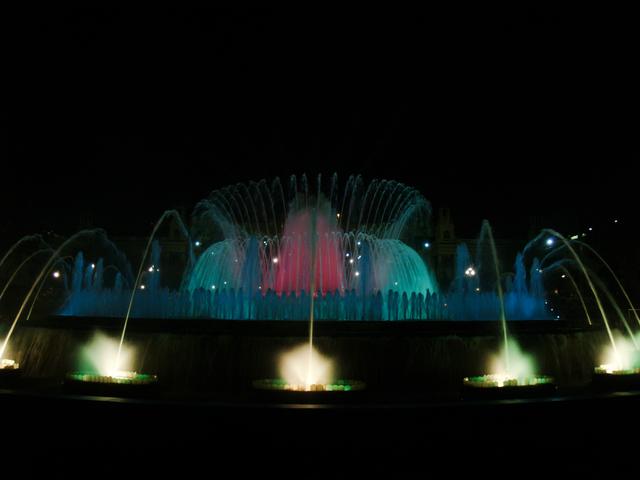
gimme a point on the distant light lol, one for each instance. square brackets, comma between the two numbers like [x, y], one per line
[359, 257]
[470, 272]
[151, 268]
[360, 243]
[56, 274]
[265, 242]
[142, 287]
[275, 260]
[590, 229]
[337, 215]
[550, 241]
[351, 260]
[584, 234]
[558, 317]
[347, 254]
[197, 243]
[427, 244]
[395, 283]
[225, 283]
[93, 265]
[574, 237]
[563, 276]
[213, 287]
[477, 289]
[615, 221]
[357, 274]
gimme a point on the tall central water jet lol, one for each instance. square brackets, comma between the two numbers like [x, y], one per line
[486, 230]
[312, 290]
[310, 254]
[513, 374]
[279, 250]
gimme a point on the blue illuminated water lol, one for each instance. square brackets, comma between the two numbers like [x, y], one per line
[256, 255]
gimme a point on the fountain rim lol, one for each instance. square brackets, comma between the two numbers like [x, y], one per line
[94, 378]
[486, 382]
[279, 385]
[294, 328]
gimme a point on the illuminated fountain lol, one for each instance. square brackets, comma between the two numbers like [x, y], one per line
[512, 371]
[322, 252]
[111, 372]
[309, 233]
[106, 368]
[621, 366]
[9, 370]
[301, 371]
[9, 366]
[253, 262]
[518, 378]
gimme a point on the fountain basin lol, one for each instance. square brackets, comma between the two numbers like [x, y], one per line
[494, 386]
[275, 389]
[121, 383]
[608, 377]
[387, 356]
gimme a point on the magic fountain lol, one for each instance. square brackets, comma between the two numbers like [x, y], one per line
[321, 252]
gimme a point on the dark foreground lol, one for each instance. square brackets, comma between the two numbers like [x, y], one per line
[47, 431]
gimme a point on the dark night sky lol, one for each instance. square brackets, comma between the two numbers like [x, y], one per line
[117, 115]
